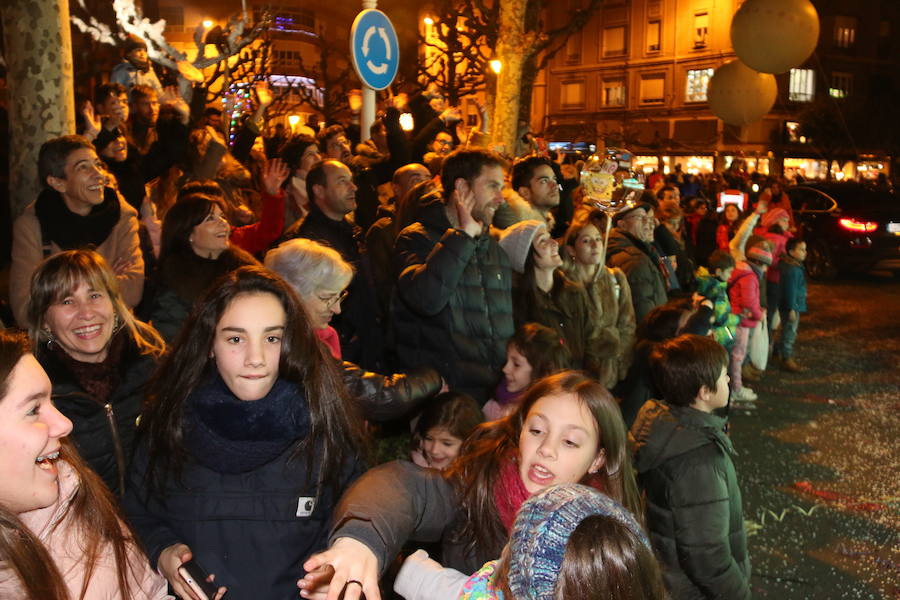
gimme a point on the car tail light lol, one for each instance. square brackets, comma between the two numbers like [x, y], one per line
[858, 226]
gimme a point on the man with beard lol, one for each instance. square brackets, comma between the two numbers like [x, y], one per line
[453, 303]
[135, 67]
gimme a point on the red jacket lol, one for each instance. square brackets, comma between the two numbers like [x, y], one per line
[743, 292]
[257, 238]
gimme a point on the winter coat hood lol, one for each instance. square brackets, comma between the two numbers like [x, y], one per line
[662, 432]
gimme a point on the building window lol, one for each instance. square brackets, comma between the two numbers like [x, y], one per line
[653, 89]
[572, 94]
[802, 85]
[697, 83]
[614, 41]
[841, 85]
[614, 92]
[844, 31]
[573, 48]
[701, 29]
[653, 36]
[287, 19]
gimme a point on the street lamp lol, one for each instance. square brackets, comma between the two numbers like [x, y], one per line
[207, 23]
[428, 21]
[293, 120]
[496, 65]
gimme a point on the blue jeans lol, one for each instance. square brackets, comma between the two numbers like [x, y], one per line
[785, 347]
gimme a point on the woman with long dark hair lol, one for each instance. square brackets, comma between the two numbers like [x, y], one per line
[195, 250]
[250, 439]
[543, 294]
[97, 355]
[61, 536]
[567, 429]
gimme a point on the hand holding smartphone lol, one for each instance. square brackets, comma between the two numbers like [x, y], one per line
[198, 580]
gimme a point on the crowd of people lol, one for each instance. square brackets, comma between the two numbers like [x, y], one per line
[294, 360]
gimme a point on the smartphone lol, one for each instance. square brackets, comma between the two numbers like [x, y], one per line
[196, 578]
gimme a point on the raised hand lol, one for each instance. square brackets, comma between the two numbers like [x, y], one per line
[463, 202]
[91, 121]
[274, 174]
[355, 572]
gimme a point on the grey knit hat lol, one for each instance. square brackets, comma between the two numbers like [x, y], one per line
[516, 241]
[542, 530]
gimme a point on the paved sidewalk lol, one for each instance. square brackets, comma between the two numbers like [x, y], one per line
[819, 459]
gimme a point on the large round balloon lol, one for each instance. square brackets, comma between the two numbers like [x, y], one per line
[739, 95]
[774, 36]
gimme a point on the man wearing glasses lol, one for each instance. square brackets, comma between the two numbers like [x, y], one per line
[631, 249]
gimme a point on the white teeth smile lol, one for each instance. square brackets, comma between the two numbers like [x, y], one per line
[45, 461]
[87, 330]
[541, 471]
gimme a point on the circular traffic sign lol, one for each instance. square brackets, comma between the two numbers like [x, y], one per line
[374, 49]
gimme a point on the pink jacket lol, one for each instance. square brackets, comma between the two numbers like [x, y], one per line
[64, 545]
[743, 292]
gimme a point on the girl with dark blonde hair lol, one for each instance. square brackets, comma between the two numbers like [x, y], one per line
[97, 355]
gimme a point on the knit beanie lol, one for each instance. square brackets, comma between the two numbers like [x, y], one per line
[760, 255]
[773, 216]
[132, 42]
[516, 241]
[542, 530]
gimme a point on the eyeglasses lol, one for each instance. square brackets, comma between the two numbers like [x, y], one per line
[333, 299]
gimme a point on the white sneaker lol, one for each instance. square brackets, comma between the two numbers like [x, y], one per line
[744, 394]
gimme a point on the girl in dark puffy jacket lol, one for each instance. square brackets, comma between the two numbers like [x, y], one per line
[248, 440]
[98, 356]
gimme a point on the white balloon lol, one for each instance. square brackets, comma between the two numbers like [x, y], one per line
[739, 95]
[774, 36]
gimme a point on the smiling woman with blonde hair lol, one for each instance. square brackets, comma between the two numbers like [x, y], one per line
[98, 356]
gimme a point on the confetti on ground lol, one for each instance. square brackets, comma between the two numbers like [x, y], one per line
[818, 458]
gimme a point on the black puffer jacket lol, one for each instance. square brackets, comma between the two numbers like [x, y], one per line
[694, 514]
[637, 260]
[387, 397]
[103, 434]
[452, 308]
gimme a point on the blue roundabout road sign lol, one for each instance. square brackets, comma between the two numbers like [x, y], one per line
[374, 48]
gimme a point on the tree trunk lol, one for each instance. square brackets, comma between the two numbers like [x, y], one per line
[511, 49]
[39, 75]
[529, 75]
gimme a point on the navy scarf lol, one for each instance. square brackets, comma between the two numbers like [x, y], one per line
[229, 435]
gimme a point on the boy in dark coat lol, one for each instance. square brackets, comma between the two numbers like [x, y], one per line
[683, 459]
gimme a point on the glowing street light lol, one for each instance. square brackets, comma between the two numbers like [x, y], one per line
[428, 21]
[293, 120]
[496, 65]
[207, 23]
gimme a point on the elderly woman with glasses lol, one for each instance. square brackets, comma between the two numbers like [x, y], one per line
[320, 277]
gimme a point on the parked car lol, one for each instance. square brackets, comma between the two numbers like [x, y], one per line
[847, 226]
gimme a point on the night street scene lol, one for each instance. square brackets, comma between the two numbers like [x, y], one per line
[453, 299]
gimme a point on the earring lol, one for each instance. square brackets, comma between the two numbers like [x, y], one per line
[50, 339]
[115, 322]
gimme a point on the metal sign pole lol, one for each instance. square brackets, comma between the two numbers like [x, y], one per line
[367, 114]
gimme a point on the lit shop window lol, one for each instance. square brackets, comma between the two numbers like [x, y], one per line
[697, 84]
[802, 85]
